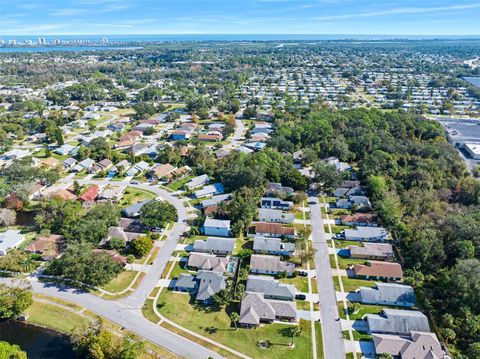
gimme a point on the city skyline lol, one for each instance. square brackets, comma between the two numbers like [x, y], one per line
[118, 17]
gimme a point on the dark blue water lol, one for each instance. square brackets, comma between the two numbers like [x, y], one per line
[37, 342]
[475, 81]
[63, 48]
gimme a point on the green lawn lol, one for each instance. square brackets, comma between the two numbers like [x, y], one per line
[243, 243]
[363, 309]
[300, 283]
[344, 262]
[179, 268]
[336, 228]
[217, 325]
[134, 195]
[341, 243]
[176, 185]
[351, 284]
[120, 282]
[192, 239]
[55, 317]
[147, 311]
[319, 339]
[357, 335]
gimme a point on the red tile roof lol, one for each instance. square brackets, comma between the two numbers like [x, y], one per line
[273, 228]
[90, 194]
[379, 269]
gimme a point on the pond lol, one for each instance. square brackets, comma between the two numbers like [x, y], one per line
[39, 343]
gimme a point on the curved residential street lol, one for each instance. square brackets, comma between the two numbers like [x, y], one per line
[127, 311]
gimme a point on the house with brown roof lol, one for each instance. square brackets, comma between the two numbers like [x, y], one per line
[162, 171]
[48, 247]
[50, 163]
[88, 197]
[269, 229]
[63, 194]
[117, 258]
[210, 137]
[359, 219]
[378, 270]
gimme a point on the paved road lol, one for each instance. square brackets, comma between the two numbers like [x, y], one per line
[130, 318]
[127, 311]
[332, 330]
[237, 135]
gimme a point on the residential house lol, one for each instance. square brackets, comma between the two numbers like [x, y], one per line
[255, 309]
[117, 258]
[414, 345]
[275, 189]
[378, 270]
[273, 246]
[50, 163]
[215, 245]
[270, 288]
[207, 283]
[210, 190]
[69, 163]
[84, 165]
[111, 194]
[275, 203]
[360, 201]
[376, 251]
[119, 232]
[116, 126]
[205, 261]
[65, 149]
[275, 215]
[88, 197]
[394, 294]
[214, 200]
[162, 171]
[210, 137]
[216, 227]
[9, 240]
[268, 229]
[397, 321]
[367, 234]
[63, 194]
[197, 182]
[266, 264]
[48, 247]
[133, 210]
[359, 219]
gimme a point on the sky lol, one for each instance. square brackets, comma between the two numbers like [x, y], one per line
[109, 17]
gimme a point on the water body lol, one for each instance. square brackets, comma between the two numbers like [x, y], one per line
[475, 81]
[39, 343]
[32, 49]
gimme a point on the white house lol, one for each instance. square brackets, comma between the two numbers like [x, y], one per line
[10, 240]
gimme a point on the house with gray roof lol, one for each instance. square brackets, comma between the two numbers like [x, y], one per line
[275, 215]
[69, 163]
[216, 227]
[265, 264]
[367, 234]
[205, 261]
[256, 309]
[210, 190]
[397, 321]
[274, 246]
[203, 285]
[275, 203]
[376, 251]
[215, 245]
[134, 209]
[415, 345]
[209, 284]
[214, 200]
[9, 240]
[398, 295]
[270, 288]
[360, 201]
[197, 182]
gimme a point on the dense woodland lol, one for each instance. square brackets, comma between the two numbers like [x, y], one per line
[421, 191]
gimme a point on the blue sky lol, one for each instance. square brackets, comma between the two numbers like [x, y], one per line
[88, 17]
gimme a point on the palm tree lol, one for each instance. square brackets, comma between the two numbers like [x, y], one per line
[235, 317]
[295, 332]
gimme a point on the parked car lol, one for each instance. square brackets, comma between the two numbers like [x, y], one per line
[300, 296]
[302, 273]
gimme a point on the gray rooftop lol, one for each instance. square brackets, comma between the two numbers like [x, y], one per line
[255, 308]
[208, 262]
[272, 245]
[397, 321]
[210, 284]
[388, 292]
[216, 199]
[214, 244]
[270, 287]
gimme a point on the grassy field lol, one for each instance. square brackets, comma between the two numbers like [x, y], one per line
[300, 283]
[351, 284]
[55, 317]
[121, 282]
[134, 195]
[217, 326]
[319, 339]
[179, 268]
[340, 244]
[147, 311]
[344, 262]
[357, 335]
[176, 185]
[363, 309]
[242, 243]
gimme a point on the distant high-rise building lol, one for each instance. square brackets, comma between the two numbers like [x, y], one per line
[56, 42]
[12, 42]
[2, 42]
[105, 40]
[42, 41]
